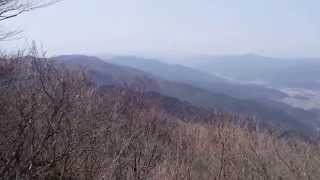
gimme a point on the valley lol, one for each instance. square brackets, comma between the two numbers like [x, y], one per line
[307, 99]
[159, 90]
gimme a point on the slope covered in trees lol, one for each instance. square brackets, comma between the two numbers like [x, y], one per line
[86, 119]
[57, 124]
[275, 114]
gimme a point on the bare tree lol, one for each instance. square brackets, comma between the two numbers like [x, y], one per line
[13, 8]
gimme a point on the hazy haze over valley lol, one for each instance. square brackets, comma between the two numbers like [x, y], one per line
[247, 57]
[153, 90]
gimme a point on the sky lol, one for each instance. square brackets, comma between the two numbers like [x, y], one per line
[289, 28]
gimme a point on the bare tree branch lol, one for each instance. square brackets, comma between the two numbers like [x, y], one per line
[13, 8]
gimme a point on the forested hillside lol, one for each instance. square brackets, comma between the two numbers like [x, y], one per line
[129, 117]
[272, 113]
[56, 123]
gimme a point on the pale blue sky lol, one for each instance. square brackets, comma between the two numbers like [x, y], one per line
[268, 27]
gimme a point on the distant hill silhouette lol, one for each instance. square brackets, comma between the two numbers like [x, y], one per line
[197, 78]
[300, 73]
[109, 74]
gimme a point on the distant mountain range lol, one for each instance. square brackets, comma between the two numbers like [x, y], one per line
[179, 86]
[278, 72]
[194, 77]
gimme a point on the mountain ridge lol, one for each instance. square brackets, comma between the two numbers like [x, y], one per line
[194, 95]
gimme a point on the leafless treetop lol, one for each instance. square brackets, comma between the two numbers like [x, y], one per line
[12, 8]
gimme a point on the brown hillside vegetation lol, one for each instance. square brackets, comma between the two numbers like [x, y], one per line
[56, 124]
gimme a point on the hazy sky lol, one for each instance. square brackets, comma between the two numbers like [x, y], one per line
[269, 27]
